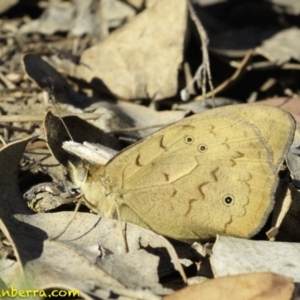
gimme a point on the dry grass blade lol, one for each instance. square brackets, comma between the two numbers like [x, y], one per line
[40, 118]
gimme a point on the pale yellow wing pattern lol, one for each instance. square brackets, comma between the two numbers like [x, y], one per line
[212, 173]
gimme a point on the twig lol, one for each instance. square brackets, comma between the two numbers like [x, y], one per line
[2, 141]
[40, 118]
[203, 73]
[239, 71]
[8, 83]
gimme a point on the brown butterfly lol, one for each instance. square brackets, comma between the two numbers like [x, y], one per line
[212, 173]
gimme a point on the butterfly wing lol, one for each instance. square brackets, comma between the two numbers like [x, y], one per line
[212, 173]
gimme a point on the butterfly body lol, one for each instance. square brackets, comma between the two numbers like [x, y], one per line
[212, 173]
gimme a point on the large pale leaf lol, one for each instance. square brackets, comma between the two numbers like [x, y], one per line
[233, 256]
[141, 59]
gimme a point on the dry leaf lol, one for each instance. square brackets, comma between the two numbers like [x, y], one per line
[287, 103]
[254, 286]
[124, 115]
[233, 256]
[290, 227]
[139, 4]
[140, 60]
[58, 17]
[280, 212]
[282, 47]
[115, 12]
[93, 153]
[287, 6]
[80, 17]
[7, 4]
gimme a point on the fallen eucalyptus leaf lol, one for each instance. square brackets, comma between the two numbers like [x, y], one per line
[254, 286]
[282, 47]
[7, 4]
[233, 256]
[140, 60]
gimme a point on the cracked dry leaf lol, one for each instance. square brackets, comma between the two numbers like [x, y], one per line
[254, 286]
[233, 256]
[142, 59]
[69, 262]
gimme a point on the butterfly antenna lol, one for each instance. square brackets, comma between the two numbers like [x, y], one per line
[53, 102]
[70, 221]
[82, 173]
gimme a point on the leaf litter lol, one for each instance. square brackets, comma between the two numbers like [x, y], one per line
[121, 51]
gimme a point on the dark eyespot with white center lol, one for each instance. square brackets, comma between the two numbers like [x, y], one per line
[228, 200]
[188, 139]
[202, 148]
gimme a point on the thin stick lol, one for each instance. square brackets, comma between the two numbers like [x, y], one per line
[203, 73]
[69, 223]
[57, 110]
[8, 83]
[243, 66]
[40, 118]
[2, 140]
